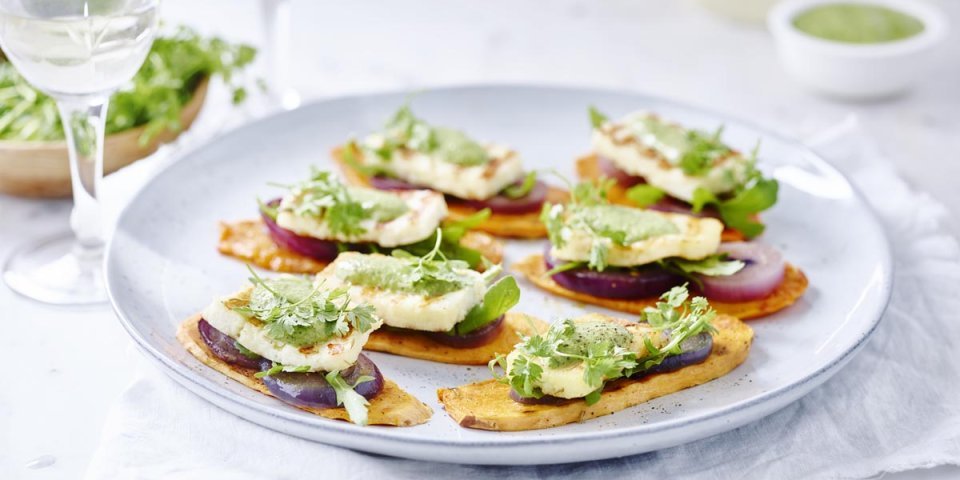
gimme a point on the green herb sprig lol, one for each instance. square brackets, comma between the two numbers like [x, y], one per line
[299, 313]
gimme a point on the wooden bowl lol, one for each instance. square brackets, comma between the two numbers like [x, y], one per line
[42, 169]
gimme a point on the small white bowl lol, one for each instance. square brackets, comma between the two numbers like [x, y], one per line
[852, 70]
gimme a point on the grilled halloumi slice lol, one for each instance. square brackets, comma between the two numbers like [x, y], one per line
[401, 309]
[425, 210]
[334, 354]
[642, 144]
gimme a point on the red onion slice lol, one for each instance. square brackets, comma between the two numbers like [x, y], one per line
[610, 170]
[310, 389]
[389, 183]
[322, 250]
[763, 273]
[224, 347]
[500, 203]
[623, 283]
[532, 202]
[476, 338]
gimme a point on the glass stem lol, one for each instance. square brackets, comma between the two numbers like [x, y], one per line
[83, 122]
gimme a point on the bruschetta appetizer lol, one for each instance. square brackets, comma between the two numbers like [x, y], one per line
[595, 365]
[622, 258]
[315, 220]
[662, 165]
[409, 153]
[300, 342]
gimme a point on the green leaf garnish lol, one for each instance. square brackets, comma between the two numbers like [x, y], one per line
[342, 208]
[500, 297]
[523, 189]
[355, 404]
[755, 196]
[299, 313]
[644, 195]
[597, 118]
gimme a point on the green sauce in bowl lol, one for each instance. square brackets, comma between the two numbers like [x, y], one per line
[857, 23]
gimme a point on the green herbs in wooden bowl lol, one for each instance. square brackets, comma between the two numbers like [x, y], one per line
[161, 101]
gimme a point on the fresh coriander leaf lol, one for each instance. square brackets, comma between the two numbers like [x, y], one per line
[524, 377]
[522, 189]
[500, 297]
[593, 397]
[355, 404]
[644, 195]
[597, 118]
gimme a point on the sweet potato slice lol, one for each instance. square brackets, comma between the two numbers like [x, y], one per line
[792, 288]
[589, 169]
[249, 241]
[522, 225]
[413, 344]
[392, 406]
[487, 405]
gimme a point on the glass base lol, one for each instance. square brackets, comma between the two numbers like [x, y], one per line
[57, 271]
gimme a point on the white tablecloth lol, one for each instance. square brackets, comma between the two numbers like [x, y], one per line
[894, 407]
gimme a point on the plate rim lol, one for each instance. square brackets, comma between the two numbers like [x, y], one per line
[808, 382]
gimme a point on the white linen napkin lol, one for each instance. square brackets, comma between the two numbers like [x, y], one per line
[895, 407]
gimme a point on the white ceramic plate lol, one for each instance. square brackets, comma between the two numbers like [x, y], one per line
[162, 266]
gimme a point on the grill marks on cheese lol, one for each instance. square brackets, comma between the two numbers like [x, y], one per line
[401, 308]
[336, 353]
[643, 145]
[691, 238]
[471, 182]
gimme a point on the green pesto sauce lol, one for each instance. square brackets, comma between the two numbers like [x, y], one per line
[594, 332]
[454, 146]
[668, 139]
[625, 225]
[857, 23]
[382, 206]
[395, 275]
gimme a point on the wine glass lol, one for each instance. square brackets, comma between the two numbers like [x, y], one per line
[78, 52]
[277, 48]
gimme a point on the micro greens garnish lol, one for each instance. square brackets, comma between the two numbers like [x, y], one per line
[702, 150]
[644, 195]
[451, 232]
[299, 313]
[605, 354]
[342, 208]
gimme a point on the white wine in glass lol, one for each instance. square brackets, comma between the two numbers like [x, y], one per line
[79, 52]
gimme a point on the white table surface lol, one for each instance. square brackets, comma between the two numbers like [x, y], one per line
[66, 366]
